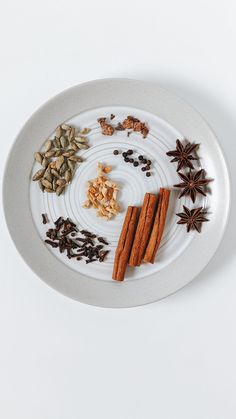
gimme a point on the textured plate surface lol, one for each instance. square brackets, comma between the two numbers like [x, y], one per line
[181, 256]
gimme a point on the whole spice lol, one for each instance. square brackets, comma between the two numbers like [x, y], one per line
[136, 125]
[193, 183]
[158, 226]
[107, 129]
[183, 155]
[143, 230]
[102, 240]
[58, 158]
[45, 218]
[102, 194]
[192, 218]
[141, 160]
[66, 237]
[129, 123]
[125, 243]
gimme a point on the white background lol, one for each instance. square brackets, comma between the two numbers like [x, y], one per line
[175, 359]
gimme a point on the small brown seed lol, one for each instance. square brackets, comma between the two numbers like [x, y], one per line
[47, 184]
[68, 176]
[80, 139]
[75, 159]
[59, 190]
[74, 146]
[48, 169]
[71, 164]
[71, 134]
[47, 145]
[48, 176]
[39, 174]
[63, 168]
[58, 131]
[65, 127]
[59, 162]
[54, 184]
[38, 157]
[55, 173]
[64, 142]
[52, 164]
[45, 162]
[50, 153]
[83, 146]
[69, 153]
[61, 182]
[85, 131]
[58, 153]
[57, 142]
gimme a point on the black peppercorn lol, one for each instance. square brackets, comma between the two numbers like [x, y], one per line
[144, 161]
[115, 152]
[136, 163]
[126, 159]
[129, 152]
[148, 174]
[140, 158]
[149, 162]
[143, 169]
[124, 154]
[148, 167]
[131, 160]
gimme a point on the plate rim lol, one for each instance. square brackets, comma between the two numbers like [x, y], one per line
[18, 139]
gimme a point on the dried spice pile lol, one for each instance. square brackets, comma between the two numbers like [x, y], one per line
[140, 161]
[81, 245]
[141, 233]
[193, 183]
[134, 124]
[130, 123]
[102, 194]
[59, 159]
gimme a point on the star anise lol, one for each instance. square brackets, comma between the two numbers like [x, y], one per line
[192, 184]
[192, 218]
[182, 155]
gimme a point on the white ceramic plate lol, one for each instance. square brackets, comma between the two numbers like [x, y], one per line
[181, 256]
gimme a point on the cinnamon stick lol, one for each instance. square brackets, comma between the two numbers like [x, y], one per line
[125, 244]
[143, 230]
[158, 226]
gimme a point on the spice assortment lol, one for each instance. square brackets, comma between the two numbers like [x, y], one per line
[102, 194]
[59, 159]
[143, 228]
[77, 244]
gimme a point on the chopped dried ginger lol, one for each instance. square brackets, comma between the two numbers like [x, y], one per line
[102, 194]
